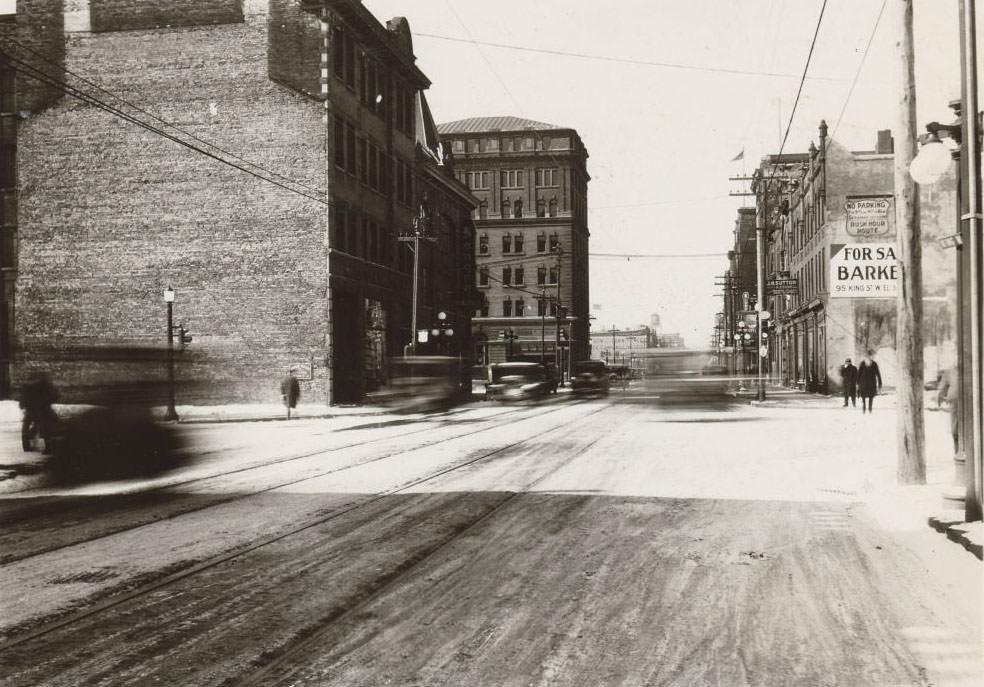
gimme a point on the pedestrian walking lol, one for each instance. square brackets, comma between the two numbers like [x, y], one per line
[949, 391]
[290, 391]
[37, 397]
[869, 381]
[849, 381]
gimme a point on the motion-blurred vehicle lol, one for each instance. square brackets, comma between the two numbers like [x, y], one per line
[590, 377]
[553, 376]
[479, 380]
[518, 381]
[419, 384]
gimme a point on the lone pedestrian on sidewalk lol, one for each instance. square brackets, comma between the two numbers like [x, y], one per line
[949, 392]
[869, 381]
[37, 397]
[290, 391]
[849, 380]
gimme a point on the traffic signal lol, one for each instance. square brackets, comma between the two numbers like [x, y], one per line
[764, 332]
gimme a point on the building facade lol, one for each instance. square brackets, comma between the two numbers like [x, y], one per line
[828, 214]
[530, 181]
[288, 256]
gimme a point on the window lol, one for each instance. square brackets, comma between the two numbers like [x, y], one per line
[518, 209]
[478, 181]
[507, 145]
[541, 243]
[507, 308]
[520, 307]
[518, 243]
[483, 276]
[350, 149]
[541, 306]
[553, 207]
[374, 166]
[553, 275]
[506, 275]
[506, 243]
[546, 177]
[473, 145]
[554, 242]
[484, 312]
[541, 275]
[339, 142]
[458, 146]
[541, 207]
[363, 161]
[511, 178]
[506, 208]
[483, 210]
[483, 244]
[518, 276]
[492, 144]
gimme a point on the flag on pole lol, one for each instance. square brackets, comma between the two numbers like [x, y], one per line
[739, 156]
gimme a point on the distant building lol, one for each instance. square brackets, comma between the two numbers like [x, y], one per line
[316, 96]
[621, 346]
[530, 180]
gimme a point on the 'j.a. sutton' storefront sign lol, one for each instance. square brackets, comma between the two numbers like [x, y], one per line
[871, 218]
[864, 270]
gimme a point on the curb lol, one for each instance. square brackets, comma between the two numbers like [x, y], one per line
[968, 535]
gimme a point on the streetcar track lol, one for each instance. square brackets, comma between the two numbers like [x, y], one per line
[312, 636]
[219, 500]
[214, 561]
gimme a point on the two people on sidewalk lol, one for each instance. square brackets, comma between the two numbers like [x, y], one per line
[864, 380]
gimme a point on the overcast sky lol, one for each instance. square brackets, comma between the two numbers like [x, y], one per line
[673, 91]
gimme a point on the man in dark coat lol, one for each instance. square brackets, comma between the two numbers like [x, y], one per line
[290, 391]
[36, 399]
[849, 380]
[869, 381]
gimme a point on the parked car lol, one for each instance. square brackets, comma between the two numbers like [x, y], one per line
[590, 376]
[518, 381]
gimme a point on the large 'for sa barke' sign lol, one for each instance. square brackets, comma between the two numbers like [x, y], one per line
[864, 270]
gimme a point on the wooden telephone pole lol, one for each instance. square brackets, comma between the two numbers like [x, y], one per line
[908, 340]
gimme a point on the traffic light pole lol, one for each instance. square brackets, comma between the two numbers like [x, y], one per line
[172, 413]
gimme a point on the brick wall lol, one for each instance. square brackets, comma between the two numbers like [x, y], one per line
[127, 15]
[110, 214]
[39, 36]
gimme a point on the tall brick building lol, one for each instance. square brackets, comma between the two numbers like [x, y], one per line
[302, 268]
[531, 182]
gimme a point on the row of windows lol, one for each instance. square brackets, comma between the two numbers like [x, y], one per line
[514, 243]
[517, 308]
[372, 81]
[546, 177]
[360, 156]
[516, 276]
[514, 209]
[362, 237]
[508, 144]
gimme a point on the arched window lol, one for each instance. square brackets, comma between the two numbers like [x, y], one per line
[506, 242]
[541, 243]
[483, 210]
[541, 275]
[553, 207]
[483, 244]
[541, 207]
[506, 208]
[518, 243]
[518, 209]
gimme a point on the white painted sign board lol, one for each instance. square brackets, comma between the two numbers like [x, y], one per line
[864, 270]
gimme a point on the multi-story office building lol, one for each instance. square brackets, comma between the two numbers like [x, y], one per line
[289, 256]
[530, 180]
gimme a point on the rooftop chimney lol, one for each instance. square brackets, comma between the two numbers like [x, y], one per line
[885, 145]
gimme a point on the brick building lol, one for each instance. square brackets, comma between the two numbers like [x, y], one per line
[530, 180]
[302, 268]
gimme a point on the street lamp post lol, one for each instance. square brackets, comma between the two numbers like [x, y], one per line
[172, 413]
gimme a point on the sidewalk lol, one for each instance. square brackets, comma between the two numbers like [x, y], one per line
[928, 499]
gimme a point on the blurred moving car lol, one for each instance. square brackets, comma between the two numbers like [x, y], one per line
[479, 380]
[419, 384]
[518, 381]
[590, 376]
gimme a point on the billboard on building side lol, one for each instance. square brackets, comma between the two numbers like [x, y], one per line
[864, 270]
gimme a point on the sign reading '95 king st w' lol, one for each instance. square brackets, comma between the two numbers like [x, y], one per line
[871, 218]
[864, 270]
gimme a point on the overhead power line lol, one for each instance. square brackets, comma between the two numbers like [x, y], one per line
[31, 71]
[857, 74]
[623, 60]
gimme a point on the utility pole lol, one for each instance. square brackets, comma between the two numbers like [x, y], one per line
[908, 340]
[557, 315]
[761, 217]
[418, 225]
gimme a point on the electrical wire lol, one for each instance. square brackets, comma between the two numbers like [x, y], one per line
[37, 74]
[622, 60]
[857, 74]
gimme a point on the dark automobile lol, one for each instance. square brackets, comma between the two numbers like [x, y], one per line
[518, 381]
[420, 384]
[590, 376]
